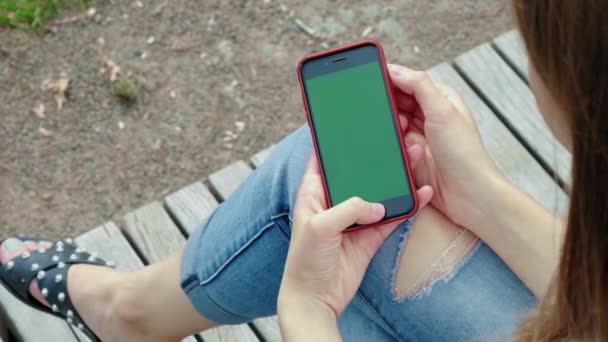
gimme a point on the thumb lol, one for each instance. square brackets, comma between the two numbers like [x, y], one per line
[347, 213]
[433, 103]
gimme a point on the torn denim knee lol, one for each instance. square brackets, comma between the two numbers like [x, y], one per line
[442, 268]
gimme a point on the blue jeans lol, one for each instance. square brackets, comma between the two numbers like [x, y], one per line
[233, 263]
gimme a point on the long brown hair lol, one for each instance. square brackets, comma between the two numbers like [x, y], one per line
[567, 41]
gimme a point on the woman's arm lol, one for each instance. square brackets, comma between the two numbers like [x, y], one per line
[467, 185]
[521, 231]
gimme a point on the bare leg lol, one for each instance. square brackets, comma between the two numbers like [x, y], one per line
[150, 303]
[433, 248]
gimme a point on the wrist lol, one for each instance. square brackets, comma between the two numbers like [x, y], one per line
[483, 201]
[291, 304]
[301, 315]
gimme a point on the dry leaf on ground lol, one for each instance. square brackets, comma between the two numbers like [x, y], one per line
[40, 111]
[58, 88]
[240, 125]
[111, 68]
[45, 132]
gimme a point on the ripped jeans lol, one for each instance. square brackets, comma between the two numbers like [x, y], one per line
[233, 263]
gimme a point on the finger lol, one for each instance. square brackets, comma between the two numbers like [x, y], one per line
[407, 121]
[418, 84]
[347, 213]
[425, 195]
[418, 159]
[415, 138]
[405, 102]
[417, 126]
[452, 95]
[416, 155]
[312, 174]
[311, 191]
[312, 166]
[403, 122]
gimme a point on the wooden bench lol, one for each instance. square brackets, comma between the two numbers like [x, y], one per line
[492, 78]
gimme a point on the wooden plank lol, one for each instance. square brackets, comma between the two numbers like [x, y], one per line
[512, 48]
[156, 237]
[21, 319]
[191, 205]
[508, 153]
[229, 178]
[513, 101]
[110, 244]
[268, 327]
[258, 158]
[3, 331]
[236, 333]
[153, 232]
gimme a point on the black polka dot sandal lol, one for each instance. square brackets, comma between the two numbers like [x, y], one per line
[50, 268]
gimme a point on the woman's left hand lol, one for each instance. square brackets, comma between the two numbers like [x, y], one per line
[325, 266]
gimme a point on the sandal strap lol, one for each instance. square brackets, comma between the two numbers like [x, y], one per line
[50, 269]
[19, 271]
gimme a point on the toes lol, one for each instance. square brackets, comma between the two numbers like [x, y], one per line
[45, 244]
[34, 290]
[31, 245]
[38, 245]
[11, 248]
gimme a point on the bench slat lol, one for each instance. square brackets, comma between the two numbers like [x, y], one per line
[236, 333]
[152, 232]
[229, 178]
[191, 205]
[510, 156]
[258, 158]
[268, 327]
[21, 318]
[514, 102]
[110, 244]
[156, 237]
[512, 48]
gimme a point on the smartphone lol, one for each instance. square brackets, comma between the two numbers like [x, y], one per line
[353, 119]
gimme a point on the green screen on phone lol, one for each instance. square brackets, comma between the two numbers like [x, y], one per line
[356, 137]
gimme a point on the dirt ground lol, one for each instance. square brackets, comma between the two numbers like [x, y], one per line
[210, 81]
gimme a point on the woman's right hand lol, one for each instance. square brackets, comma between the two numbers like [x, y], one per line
[451, 158]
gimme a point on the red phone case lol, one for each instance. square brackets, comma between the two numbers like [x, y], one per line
[396, 120]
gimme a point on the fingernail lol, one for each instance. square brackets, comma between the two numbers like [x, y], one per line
[378, 209]
[395, 70]
[11, 244]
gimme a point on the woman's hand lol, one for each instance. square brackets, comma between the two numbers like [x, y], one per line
[450, 156]
[325, 266]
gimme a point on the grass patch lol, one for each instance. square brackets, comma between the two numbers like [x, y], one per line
[33, 13]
